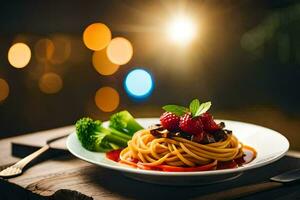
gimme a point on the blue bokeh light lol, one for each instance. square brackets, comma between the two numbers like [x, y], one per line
[138, 83]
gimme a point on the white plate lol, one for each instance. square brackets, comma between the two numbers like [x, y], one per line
[269, 144]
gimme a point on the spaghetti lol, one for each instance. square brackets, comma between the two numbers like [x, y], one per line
[146, 150]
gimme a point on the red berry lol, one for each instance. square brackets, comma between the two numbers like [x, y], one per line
[208, 122]
[191, 125]
[170, 121]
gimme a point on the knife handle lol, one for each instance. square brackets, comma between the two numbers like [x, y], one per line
[241, 191]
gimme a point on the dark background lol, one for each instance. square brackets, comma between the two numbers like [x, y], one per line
[246, 60]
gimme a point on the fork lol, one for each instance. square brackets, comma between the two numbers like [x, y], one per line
[17, 168]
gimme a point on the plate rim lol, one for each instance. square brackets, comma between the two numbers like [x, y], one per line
[126, 169]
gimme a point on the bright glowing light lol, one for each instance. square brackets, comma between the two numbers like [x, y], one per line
[4, 89]
[181, 30]
[96, 36]
[139, 83]
[19, 55]
[50, 83]
[102, 64]
[107, 99]
[119, 51]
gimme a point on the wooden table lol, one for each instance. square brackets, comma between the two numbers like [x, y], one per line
[68, 172]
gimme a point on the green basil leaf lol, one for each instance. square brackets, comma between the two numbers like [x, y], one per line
[175, 109]
[203, 108]
[194, 105]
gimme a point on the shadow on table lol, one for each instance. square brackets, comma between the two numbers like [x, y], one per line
[140, 190]
[99, 183]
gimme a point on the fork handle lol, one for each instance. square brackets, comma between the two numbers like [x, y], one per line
[22, 163]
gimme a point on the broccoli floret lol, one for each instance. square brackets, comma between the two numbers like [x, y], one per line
[124, 121]
[94, 137]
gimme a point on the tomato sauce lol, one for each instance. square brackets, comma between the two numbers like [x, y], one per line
[249, 155]
[114, 155]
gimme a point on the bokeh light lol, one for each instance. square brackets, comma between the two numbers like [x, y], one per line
[50, 83]
[62, 51]
[181, 30]
[19, 55]
[96, 36]
[44, 49]
[139, 83]
[102, 64]
[107, 99]
[4, 89]
[119, 51]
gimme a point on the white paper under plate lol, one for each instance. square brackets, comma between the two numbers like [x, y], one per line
[269, 144]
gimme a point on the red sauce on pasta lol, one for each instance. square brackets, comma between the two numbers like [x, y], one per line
[249, 155]
[114, 155]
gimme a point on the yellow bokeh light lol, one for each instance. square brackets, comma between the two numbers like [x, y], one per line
[102, 64]
[181, 30]
[96, 36]
[107, 99]
[119, 51]
[44, 49]
[50, 83]
[19, 55]
[4, 89]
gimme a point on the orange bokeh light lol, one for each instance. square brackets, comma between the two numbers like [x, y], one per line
[50, 83]
[102, 64]
[44, 49]
[96, 36]
[19, 55]
[119, 51]
[62, 49]
[4, 89]
[107, 99]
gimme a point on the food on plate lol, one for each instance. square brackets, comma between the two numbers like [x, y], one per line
[94, 136]
[124, 121]
[187, 139]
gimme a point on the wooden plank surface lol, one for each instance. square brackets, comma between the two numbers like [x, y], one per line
[102, 183]
[37, 139]
[68, 172]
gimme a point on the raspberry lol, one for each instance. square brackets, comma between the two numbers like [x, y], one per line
[208, 122]
[191, 125]
[170, 121]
